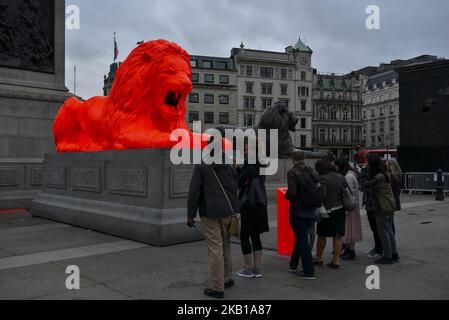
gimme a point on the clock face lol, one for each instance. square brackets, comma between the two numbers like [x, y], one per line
[304, 61]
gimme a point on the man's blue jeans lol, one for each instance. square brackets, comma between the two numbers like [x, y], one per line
[303, 248]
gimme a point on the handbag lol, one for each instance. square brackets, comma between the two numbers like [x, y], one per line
[254, 195]
[348, 199]
[234, 229]
[321, 214]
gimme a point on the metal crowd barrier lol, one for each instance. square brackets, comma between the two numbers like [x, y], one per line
[423, 182]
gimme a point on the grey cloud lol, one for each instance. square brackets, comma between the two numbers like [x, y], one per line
[335, 30]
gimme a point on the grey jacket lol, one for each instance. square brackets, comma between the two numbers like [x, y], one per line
[331, 184]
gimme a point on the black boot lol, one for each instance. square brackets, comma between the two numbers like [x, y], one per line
[213, 293]
[349, 255]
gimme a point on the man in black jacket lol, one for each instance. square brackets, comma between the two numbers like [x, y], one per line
[207, 196]
[302, 220]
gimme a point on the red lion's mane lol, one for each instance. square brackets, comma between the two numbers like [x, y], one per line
[146, 104]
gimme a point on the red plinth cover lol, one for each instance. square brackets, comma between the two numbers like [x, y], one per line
[286, 237]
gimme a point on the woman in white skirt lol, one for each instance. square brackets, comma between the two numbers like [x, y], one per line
[353, 232]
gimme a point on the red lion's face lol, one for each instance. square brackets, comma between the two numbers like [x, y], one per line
[172, 84]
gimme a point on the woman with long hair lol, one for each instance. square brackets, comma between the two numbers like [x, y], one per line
[353, 232]
[334, 226]
[384, 207]
[254, 222]
[395, 173]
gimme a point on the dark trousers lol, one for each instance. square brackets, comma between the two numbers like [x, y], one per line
[387, 236]
[303, 248]
[248, 246]
[373, 225]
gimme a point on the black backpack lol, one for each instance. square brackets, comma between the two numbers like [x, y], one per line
[310, 194]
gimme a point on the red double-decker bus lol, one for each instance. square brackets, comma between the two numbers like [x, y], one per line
[362, 156]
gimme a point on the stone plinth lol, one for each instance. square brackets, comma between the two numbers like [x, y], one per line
[135, 194]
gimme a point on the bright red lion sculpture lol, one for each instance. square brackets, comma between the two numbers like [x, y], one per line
[145, 105]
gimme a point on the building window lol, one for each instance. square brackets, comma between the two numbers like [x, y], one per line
[392, 125]
[194, 116]
[373, 127]
[195, 77]
[249, 87]
[209, 78]
[222, 65]
[373, 113]
[345, 135]
[207, 64]
[283, 74]
[224, 99]
[194, 98]
[224, 118]
[284, 89]
[391, 109]
[249, 71]
[334, 135]
[209, 117]
[303, 76]
[303, 91]
[266, 72]
[193, 63]
[209, 99]
[303, 141]
[249, 102]
[333, 114]
[364, 114]
[266, 102]
[248, 120]
[346, 114]
[303, 123]
[381, 127]
[322, 135]
[382, 112]
[322, 114]
[267, 88]
[286, 102]
[303, 105]
[224, 79]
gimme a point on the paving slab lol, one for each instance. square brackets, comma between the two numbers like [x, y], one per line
[34, 281]
[95, 292]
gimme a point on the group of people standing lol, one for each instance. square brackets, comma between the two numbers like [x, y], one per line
[380, 182]
[318, 210]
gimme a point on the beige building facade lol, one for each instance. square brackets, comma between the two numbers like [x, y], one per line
[337, 114]
[213, 100]
[265, 77]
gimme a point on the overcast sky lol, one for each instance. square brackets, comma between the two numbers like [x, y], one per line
[334, 29]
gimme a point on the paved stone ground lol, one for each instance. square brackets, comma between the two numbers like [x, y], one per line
[34, 254]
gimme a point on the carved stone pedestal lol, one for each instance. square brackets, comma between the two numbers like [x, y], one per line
[134, 194]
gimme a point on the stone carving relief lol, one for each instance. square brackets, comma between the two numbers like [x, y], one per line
[27, 34]
[126, 181]
[86, 179]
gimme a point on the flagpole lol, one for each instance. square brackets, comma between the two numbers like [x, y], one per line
[114, 46]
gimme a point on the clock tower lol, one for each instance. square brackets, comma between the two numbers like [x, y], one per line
[301, 55]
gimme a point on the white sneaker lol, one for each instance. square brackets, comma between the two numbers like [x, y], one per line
[246, 273]
[257, 273]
